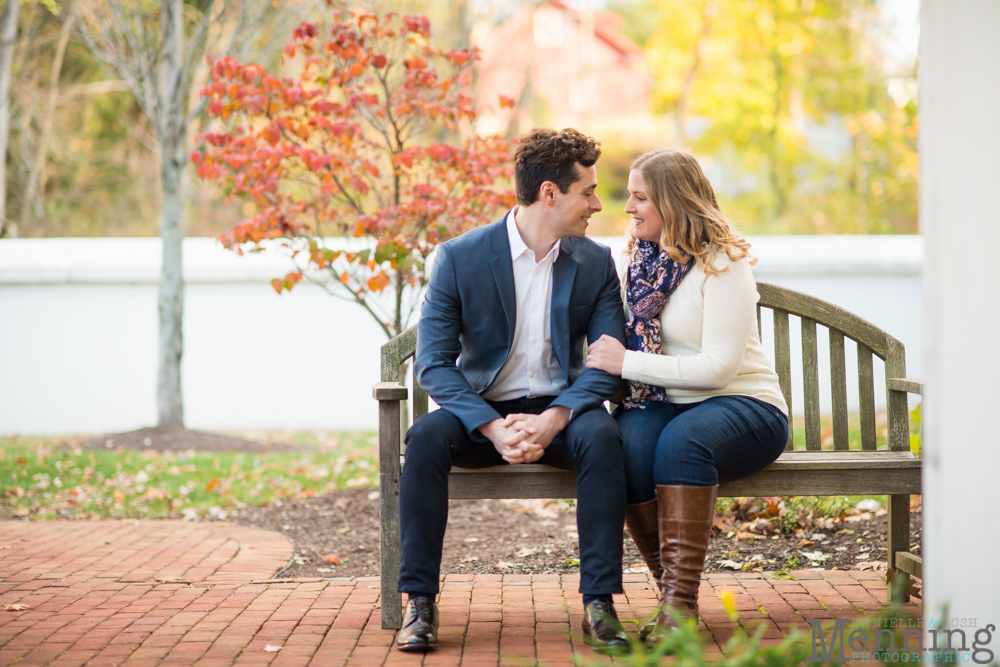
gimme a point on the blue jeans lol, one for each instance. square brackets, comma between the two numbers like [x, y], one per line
[721, 439]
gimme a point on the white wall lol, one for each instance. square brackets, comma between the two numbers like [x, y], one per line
[78, 331]
[960, 170]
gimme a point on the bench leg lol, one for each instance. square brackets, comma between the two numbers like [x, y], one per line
[898, 540]
[388, 505]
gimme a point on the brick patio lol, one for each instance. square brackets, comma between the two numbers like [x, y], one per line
[149, 593]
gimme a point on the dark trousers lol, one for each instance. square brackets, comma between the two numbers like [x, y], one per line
[721, 439]
[591, 445]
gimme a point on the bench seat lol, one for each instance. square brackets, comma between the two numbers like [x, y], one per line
[824, 473]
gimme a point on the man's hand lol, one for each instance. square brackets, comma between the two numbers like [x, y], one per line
[606, 354]
[511, 442]
[539, 429]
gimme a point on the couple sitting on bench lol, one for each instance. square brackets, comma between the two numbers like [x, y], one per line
[500, 348]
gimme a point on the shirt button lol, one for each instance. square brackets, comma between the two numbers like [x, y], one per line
[534, 341]
[534, 306]
[531, 375]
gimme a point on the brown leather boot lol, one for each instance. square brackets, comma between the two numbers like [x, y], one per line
[686, 514]
[643, 526]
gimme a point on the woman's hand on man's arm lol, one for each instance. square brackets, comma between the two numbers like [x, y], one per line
[606, 354]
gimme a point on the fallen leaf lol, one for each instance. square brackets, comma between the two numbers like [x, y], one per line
[805, 543]
[15, 607]
[575, 562]
[872, 565]
[332, 558]
[731, 564]
[502, 565]
[781, 574]
[524, 553]
[273, 649]
[743, 535]
[815, 556]
[213, 484]
[469, 559]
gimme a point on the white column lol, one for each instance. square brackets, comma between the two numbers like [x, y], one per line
[960, 218]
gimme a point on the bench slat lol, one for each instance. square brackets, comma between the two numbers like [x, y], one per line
[866, 391]
[910, 564]
[783, 364]
[794, 473]
[838, 387]
[810, 383]
[419, 399]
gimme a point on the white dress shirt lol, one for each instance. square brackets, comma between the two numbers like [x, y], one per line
[531, 368]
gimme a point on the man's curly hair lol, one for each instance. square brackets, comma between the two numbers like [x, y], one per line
[547, 155]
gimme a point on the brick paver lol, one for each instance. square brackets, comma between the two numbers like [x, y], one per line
[139, 594]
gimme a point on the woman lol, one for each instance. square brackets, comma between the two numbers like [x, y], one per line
[703, 404]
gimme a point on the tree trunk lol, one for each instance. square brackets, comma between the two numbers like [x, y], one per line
[33, 199]
[172, 135]
[8, 34]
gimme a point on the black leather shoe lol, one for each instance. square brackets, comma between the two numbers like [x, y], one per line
[420, 626]
[601, 628]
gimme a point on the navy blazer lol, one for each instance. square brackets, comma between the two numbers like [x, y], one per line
[466, 324]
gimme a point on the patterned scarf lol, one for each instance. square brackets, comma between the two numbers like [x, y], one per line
[650, 280]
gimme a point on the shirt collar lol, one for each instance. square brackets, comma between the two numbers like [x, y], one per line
[517, 245]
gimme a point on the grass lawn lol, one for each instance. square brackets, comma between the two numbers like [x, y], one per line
[51, 478]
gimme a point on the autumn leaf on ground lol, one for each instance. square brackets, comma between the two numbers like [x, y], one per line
[332, 558]
[470, 559]
[15, 607]
[273, 649]
[503, 565]
[213, 484]
[743, 535]
[872, 565]
[731, 564]
[805, 543]
[524, 553]
[815, 556]
[781, 574]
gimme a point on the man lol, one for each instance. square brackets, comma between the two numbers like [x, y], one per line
[500, 349]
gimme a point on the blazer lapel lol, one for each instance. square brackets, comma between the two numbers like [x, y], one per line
[563, 275]
[503, 274]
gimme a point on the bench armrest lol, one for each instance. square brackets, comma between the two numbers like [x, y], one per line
[908, 385]
[389, 391]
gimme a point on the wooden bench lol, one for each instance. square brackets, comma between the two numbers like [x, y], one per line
[815, 471]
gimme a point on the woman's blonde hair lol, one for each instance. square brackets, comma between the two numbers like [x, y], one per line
[685, 200]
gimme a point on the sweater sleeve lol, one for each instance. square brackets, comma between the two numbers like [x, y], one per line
[730, 300]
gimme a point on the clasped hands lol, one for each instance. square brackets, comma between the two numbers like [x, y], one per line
[522, 438]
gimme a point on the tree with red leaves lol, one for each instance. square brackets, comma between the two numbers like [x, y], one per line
[356, 146]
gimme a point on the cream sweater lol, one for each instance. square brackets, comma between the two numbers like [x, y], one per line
[709, 341]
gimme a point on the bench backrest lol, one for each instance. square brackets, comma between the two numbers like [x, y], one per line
[812, 313]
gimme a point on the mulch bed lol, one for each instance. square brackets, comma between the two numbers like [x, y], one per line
[337, 535]
[180, 440]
